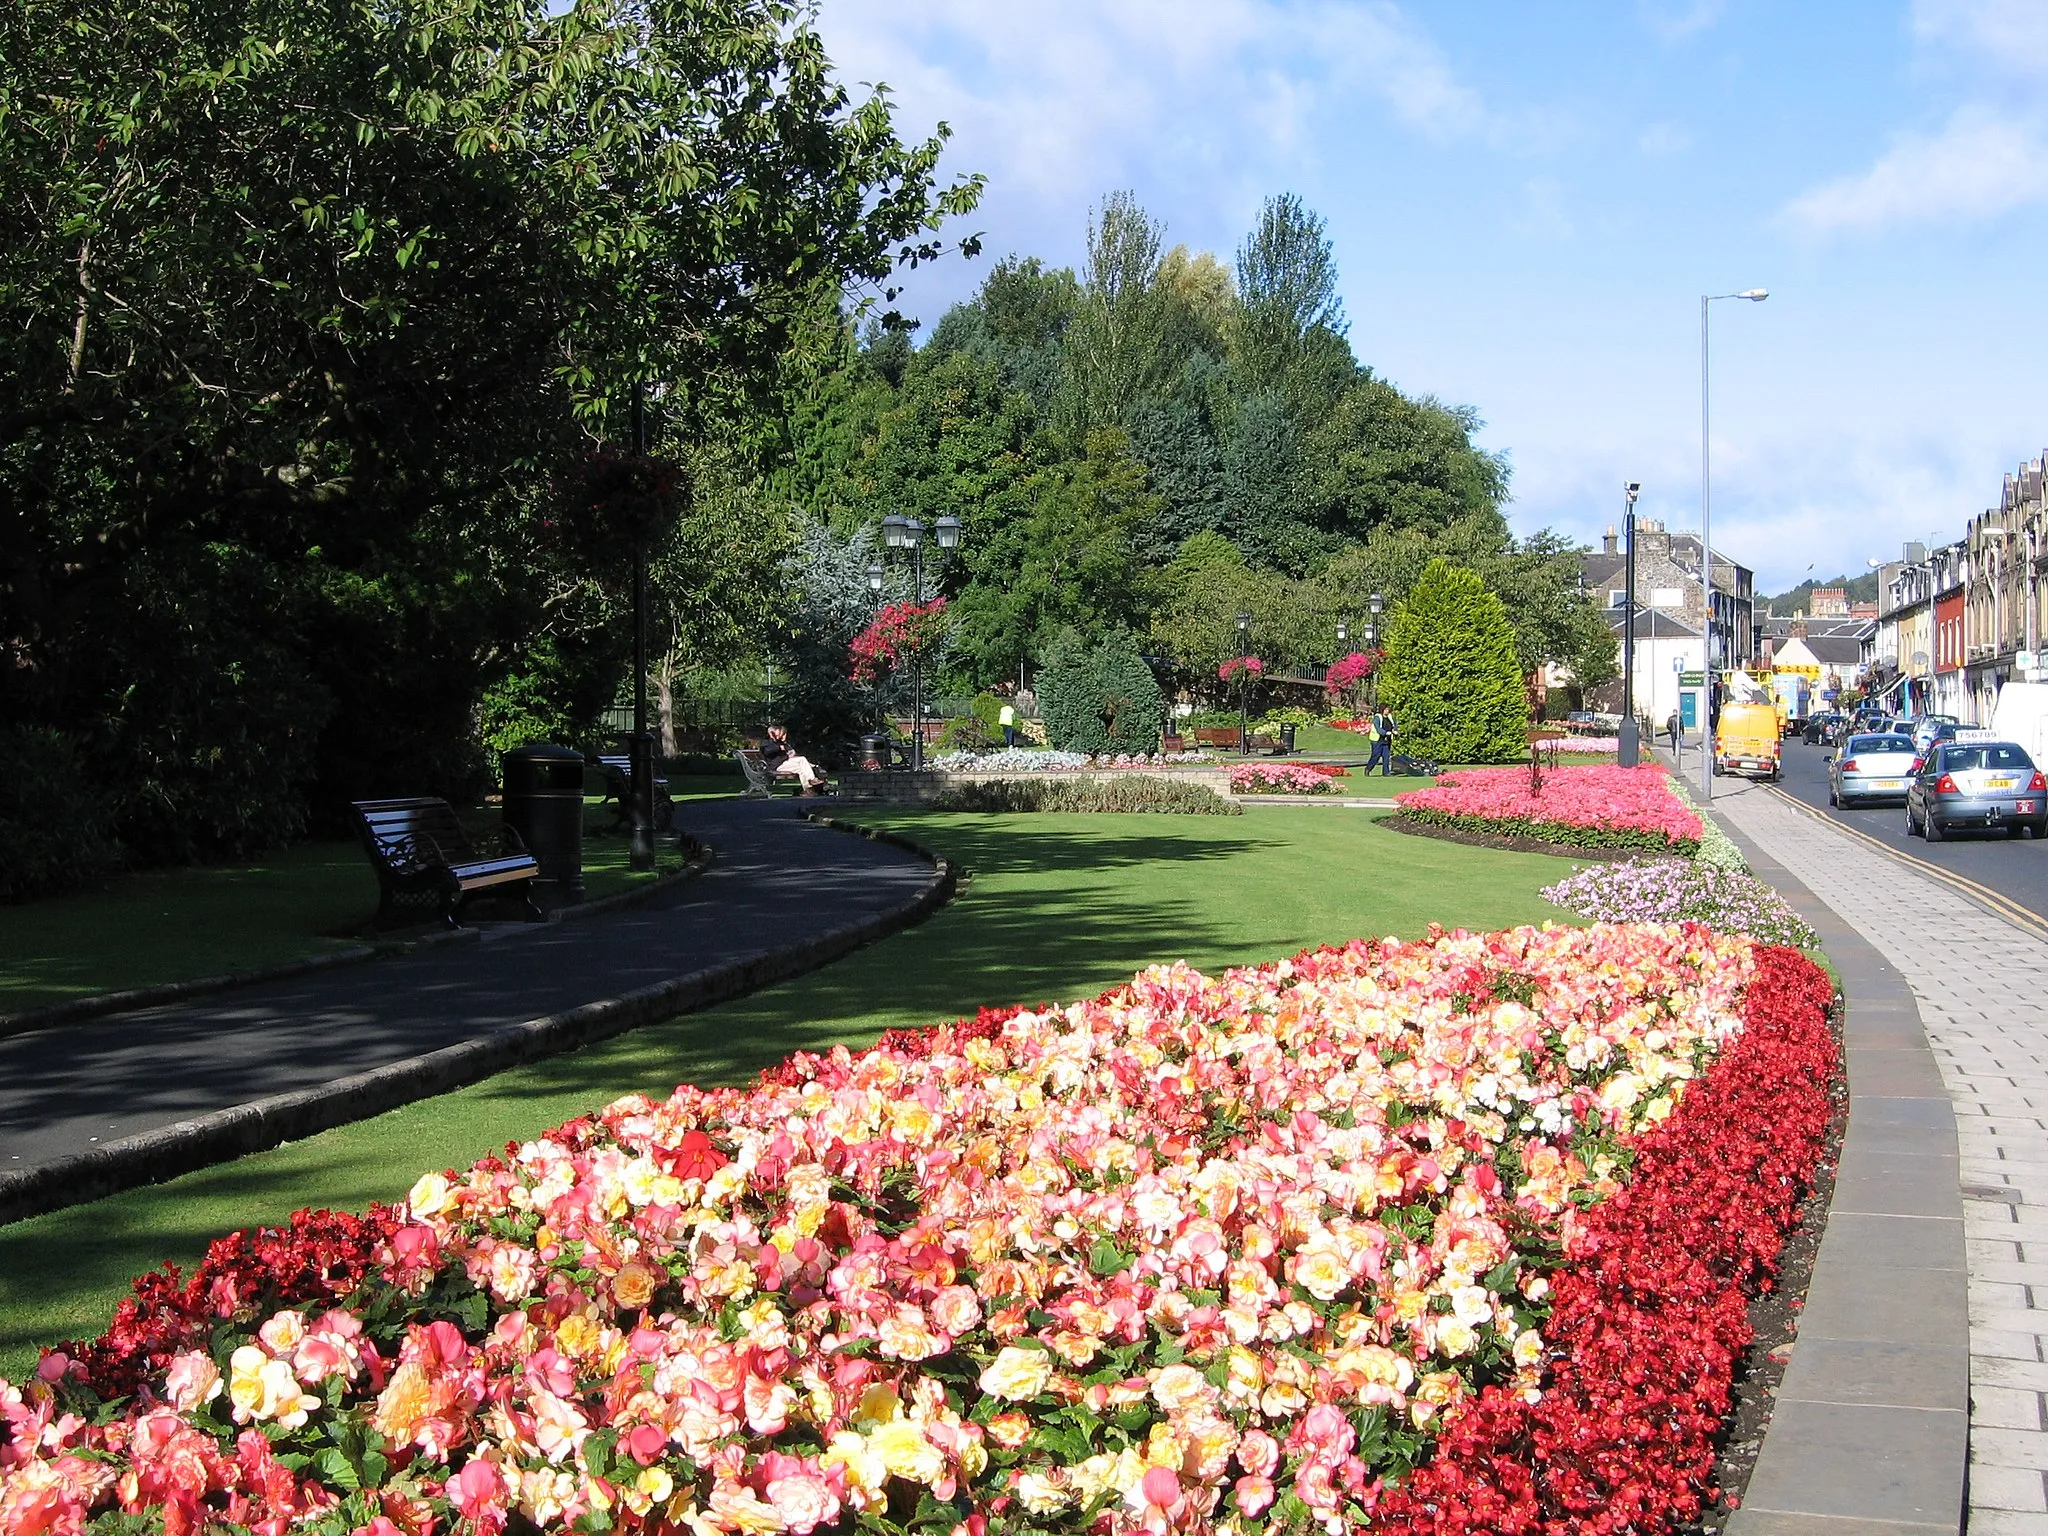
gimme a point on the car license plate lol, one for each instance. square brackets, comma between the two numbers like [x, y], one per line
[2001, 783]
[1891, 783]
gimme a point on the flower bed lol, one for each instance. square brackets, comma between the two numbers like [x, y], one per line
[1588, 746]
[1590, 806]
[1671, 891]
[1430, 1237]
[1279, 779]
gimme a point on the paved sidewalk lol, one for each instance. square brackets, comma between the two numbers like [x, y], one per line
[775, 880]
[1981, 984]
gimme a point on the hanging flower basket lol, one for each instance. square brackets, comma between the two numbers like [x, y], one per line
[901, 634]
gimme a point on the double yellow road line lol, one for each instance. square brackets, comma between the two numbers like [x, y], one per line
[2002, 906]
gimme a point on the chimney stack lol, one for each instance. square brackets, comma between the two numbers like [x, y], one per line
[1609, 545]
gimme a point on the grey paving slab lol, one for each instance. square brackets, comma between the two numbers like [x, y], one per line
[775, 880]
[1978, 983]
[1864, 1461]
[1881, 1371]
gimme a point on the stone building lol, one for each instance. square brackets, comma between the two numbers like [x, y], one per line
[1668, 581]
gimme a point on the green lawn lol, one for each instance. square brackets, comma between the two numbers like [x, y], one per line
[1055, 907]
[177, 924]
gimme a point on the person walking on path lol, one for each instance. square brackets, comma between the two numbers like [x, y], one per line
[1382, 743]
[1006, 717]
[1671, 730]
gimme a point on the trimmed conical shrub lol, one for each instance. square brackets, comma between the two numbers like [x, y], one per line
[1452, 677]
[1100, 698]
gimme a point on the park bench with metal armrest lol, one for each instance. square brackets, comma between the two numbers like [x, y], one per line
[616, 769]
[420, 852]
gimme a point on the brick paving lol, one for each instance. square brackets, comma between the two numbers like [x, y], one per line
[1981, 984]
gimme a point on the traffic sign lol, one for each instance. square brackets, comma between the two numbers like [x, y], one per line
[1692, 679]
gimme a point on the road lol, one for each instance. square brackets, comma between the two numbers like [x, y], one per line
[2017, 869]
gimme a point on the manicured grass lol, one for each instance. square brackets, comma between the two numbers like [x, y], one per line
[177, 924]
[1055, 907]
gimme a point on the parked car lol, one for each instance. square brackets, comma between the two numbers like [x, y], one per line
[1928, 729]
[1871, 768]
[1977, 783]
[1817, 727]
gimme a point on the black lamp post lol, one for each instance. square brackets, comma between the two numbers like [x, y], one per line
[1244, 650]
[640, 751]
[1628, 751]
[1377, 603]
[900, 532]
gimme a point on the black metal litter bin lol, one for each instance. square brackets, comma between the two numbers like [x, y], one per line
[544, 805]
[874, 752]
[1287, 740]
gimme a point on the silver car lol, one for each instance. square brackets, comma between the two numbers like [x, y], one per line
[1870, 768]
[1977, 783]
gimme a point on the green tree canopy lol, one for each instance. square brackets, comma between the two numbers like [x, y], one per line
[305, 305]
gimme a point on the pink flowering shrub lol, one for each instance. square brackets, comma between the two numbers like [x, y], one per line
[1199, 1254]
[1280, 779]
[1590, 805]
[1248, 667]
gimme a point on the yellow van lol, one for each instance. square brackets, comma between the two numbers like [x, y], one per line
[1747, 739]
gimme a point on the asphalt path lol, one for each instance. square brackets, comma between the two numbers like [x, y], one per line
[2015, 868]
[774, 880]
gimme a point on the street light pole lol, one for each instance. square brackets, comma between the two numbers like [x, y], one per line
[908, 533]
[1755, 296]
[640, 755]
[1628, 744]
[1376, 604]
[1244, 643]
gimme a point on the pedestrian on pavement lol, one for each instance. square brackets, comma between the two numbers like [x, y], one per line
[1006, 717]
[1671, 730]
[1382, 743]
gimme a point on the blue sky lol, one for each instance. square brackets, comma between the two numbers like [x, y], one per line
[1528, 199]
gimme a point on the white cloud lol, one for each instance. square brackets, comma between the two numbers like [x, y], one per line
[1978, 167]
[2006, 36]
[1202, 106]
[1676, 20]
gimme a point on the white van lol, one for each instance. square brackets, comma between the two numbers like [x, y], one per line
[2022, 716]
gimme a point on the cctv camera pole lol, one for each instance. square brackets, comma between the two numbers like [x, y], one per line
[1629, 749]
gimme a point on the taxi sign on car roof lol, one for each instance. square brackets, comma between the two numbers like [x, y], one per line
[1973, 734]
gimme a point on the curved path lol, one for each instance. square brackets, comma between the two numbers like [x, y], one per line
[776, 882]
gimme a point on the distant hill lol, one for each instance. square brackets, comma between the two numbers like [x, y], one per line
[1861, 589]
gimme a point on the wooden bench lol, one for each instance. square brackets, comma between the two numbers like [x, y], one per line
[616, 769]
[1217, 736]
[419, 850]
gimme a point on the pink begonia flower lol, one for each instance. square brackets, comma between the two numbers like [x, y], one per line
[192, 1381]
[804, 1500]
[1162, 1488]
[1254, 1495]
[1258, 1453]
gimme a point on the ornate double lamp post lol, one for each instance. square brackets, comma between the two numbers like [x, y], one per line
[907, 533]
[1244, 649]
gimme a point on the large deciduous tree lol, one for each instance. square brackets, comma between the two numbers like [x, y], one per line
[303, 305]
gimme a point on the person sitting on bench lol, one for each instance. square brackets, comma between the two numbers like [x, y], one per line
[782, 760]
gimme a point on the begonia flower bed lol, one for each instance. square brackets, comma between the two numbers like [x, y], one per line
[1587, 805]
[1281, 779]
[1447, 1236]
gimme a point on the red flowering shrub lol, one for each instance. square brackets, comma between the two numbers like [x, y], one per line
[1248, 667]
[900, 634]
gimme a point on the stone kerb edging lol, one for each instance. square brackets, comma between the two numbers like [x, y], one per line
[164, 1153]
[1870, 1429]
[103, 1003]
